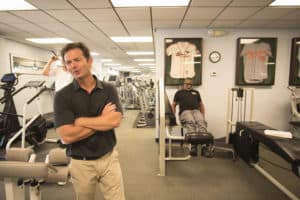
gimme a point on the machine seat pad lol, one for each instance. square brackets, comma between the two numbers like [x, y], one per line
[18, 154]
[16, 169]
[199, 138]
[58, 156]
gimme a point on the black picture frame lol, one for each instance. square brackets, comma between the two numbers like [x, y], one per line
[183, 59]
[294, 78]
[256, 61]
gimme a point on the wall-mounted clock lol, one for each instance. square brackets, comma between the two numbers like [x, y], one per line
[214, 56]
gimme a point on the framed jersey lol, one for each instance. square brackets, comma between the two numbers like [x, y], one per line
[183, 59]
[294, 78]
[256, 61]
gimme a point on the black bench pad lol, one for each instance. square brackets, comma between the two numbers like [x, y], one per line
[247, 143]
[199, 138]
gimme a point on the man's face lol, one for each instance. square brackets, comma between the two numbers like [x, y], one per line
[187, 85]
[77, 64]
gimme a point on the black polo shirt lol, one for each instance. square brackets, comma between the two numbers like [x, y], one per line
[187, 99]
[73, 102]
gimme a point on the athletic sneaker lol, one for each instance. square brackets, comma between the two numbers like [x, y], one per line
[194, 151]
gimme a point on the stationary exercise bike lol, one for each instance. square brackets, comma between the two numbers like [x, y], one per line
[33, 130]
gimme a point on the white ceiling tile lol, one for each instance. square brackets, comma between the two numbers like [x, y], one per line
[105, 14]
[251, 2]
[225, 23]
[292, 15]
[34, 16]
[8, 18]
[83, 27]
[236, 13]
[28, 27]
[67, 15]
[57, 26]
[284, 24]
[195, 23]
[43, 34]
[166, 23]
[254, 23]
[5, 28]
[111, 29]
[60, 29]
[145, 46]
[210, 3]
[167, 13]
[272, 13]
[88, 30]
[197, 13]
[20, 35]
[91, 3]
[53, 4]
[128, 46]
[134, 13]
[139, 28]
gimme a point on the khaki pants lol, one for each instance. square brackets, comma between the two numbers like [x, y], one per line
[106, 171]
[193, 121]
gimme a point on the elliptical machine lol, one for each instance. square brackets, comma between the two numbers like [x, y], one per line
[33, 130]
[9, 122]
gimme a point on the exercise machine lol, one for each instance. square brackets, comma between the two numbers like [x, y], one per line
[9, 122]
[247, 135]
[33, 130]
[20, 171]
[204, 139]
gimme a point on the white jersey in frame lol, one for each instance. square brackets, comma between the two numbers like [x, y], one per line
[255, 57]
[182, 59]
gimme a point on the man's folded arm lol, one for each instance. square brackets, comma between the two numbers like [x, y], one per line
[71, 133]
[102, 122]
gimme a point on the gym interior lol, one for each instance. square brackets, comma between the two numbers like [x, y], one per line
[251, 149]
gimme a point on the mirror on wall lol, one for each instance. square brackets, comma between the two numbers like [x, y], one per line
[23, 65]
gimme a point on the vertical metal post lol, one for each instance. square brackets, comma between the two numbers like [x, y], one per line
[162, 129]
[229, 115]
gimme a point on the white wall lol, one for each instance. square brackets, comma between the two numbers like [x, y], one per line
[8, 47]
[271, 103]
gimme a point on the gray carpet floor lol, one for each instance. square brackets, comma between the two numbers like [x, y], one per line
[200, 178]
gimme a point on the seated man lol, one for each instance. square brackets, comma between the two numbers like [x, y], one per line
[191, 110]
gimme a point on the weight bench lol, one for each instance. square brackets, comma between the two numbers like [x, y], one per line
[19, 171]
[246, 143]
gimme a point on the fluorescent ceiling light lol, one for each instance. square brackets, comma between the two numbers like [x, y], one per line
[112, 64]
[147, 64]
[106, 60]
[94, 53]
[49, 40]
[144, 60]
[140, 52]
[132, 39]
[146, 3]
[15, 5]
[285, 3]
